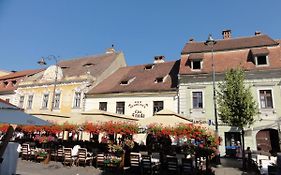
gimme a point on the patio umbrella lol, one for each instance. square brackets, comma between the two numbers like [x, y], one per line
[11, 114]
[164, 117]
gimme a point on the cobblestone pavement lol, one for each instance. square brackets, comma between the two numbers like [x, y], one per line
[228, 167]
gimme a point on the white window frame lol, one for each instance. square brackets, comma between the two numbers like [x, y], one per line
[74, 100]
[123, 107]
[201, 64]
[259, 102]
[106, 105]
[203, 105]
[42, 105]
[256, 61]
[21, 101]
[29, 106]
[59, 100]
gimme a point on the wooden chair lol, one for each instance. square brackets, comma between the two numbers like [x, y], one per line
[100, 160]
[60, 154]
[83, 157]
[25, 151]
[147, 167]
[187, 166]
[172, 165]
[135, 160]
[68, 159]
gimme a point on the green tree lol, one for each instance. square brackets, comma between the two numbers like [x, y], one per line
[236, 105]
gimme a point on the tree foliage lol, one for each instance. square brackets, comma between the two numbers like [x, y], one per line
[236, 105]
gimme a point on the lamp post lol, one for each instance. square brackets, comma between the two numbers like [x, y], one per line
[211, 42]
[43, 62]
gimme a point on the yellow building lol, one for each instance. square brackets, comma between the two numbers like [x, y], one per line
[58, 91]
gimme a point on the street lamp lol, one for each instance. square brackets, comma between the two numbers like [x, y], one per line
[43, 62]
[211, 42]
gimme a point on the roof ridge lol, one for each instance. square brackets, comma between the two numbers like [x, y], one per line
[85, 57]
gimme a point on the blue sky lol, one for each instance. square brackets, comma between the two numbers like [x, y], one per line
[31, 29]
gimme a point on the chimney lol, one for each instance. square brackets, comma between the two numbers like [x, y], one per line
[257, 33]
[159, 59]
[110, 50]
[191, 40]
[226, 34]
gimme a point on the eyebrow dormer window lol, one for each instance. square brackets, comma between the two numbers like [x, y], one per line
[196, 64]
[159, 80]
[88, 64]
[127, 81]
[149, 66]
[124, 82]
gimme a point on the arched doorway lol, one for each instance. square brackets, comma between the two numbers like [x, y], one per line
[268, 140]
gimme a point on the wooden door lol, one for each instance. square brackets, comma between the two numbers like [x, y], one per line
[263, 140]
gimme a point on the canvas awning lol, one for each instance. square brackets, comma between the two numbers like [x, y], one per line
[93, 116]
[164, 117]
[11, 114]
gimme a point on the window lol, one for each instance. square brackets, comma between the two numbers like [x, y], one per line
[261, 60]
[57, 101]
[197, 100]
[157, 106]
[266, 99]
[148, 67]
[103, 106]
[77, 100]
[29, 102]
[7, 100]
[120, 107]
[159, 80]
[196, 64]
[21, 101]
[45, 101]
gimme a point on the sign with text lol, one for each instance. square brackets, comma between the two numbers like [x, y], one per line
[138, 107]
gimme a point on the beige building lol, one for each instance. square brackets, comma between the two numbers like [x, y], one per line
[58, 91]
[137, 91]
[260, 57]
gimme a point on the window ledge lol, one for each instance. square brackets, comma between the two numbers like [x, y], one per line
[267, 110]
[197, 110]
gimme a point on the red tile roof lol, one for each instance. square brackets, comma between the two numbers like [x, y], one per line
[9, 82]
[230, 44]
[95, 65]
[232, 59]
[140, 79]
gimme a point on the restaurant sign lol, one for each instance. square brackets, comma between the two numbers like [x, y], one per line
[139, 107]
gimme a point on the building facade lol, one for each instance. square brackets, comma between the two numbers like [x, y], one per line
[260, 57]
[60, 90]
[9, 84]
[138, 91]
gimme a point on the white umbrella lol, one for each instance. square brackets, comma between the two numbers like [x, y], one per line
[164, 117]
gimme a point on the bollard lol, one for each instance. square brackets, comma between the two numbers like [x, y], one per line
[279, 163]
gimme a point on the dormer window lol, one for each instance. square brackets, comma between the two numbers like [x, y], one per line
[196, 61]
[159, 80]
[196, 64]
[64, 67]
[261, 60]
[149, 66]
[88, 64]
[124, 82]
[260, 56]
[14, 82]
[127, 81]
[6, 83]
